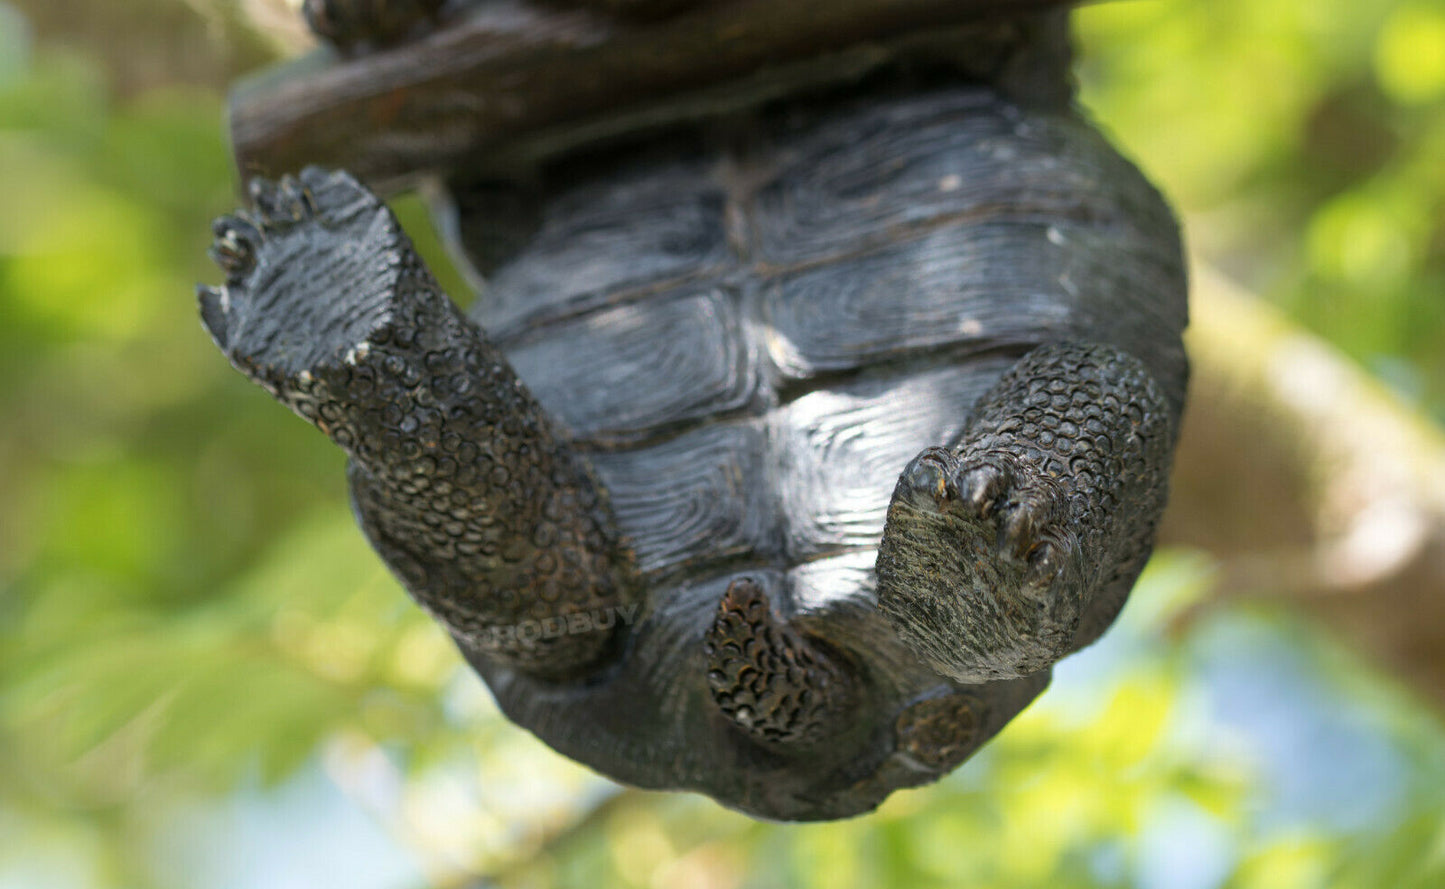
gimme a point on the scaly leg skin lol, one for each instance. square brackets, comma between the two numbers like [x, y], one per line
[490, 521]
[1019, 545]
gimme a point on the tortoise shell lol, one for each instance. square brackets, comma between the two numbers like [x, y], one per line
[750, 342]
[857, 374]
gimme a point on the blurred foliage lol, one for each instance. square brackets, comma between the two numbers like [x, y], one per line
[1304, 139]
[190, 624]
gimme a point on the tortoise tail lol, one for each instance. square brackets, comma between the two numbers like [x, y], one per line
[769, 679]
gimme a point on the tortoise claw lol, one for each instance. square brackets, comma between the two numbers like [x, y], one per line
[282, 204]
[215, 307]
[234, 247]
[979, 569]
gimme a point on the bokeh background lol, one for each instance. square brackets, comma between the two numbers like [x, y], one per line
[207, 680]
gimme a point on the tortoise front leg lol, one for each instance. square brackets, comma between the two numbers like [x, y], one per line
[492, 523]
[1019, 544]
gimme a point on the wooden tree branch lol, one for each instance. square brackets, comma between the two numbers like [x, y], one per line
[1312, 484]
[477, 87]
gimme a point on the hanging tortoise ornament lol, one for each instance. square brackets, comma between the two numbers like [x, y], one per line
[821, 390]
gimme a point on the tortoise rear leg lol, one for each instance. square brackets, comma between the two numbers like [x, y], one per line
[489, 519]
[1020, 543]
